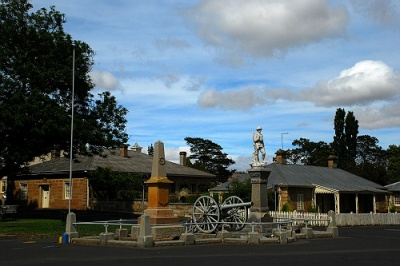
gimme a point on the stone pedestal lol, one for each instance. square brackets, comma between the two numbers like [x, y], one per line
[158, 190]
[259, 195]
[70, 228]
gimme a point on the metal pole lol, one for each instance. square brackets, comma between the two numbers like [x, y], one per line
[72, 131]
[142, 198]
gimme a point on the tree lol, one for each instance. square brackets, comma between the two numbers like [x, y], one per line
[345, 140]
[209, 157]
[109, 185]
[150, 150]
[36, 57]
[309, 153]
[371, 160]
[242, 189]
[393, 167]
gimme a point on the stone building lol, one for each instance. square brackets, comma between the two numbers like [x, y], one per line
[394, 201]
[47, 184]
[308, 188]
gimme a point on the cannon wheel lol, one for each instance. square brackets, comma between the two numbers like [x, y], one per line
[236, 216]
[206, 214]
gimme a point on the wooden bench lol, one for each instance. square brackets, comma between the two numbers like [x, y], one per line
[8, 212]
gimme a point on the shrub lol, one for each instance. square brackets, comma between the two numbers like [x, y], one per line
[286, 207]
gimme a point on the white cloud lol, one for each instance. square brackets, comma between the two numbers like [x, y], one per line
[172, 154]
[104, 80]
[364, 83]
[387, 116]
[242, 98]
[384, 12]
[265, 28]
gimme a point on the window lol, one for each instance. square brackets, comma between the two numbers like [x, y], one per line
[397, 200]
[3, 186]
[67, 190]
[300, 202]
[24, 191]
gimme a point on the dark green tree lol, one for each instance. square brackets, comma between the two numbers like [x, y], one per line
[309, 152]
[209, 157]
[150, 150]
[242, 189]
[371, 160]
[345, 140]
[109, 185]
[393, 167]
[36, 57]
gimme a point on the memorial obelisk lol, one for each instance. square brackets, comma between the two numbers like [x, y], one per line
[158, 190]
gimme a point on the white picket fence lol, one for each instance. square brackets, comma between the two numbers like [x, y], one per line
[342, 219]
[300, 218]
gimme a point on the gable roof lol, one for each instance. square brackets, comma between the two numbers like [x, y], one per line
[395, 187]
[135, 162]
[324, 179]
[329, 178]
[225, 186]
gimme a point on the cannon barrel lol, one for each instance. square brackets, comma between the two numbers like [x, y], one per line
[236, 205]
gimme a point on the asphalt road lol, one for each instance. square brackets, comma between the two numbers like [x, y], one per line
[355, 246]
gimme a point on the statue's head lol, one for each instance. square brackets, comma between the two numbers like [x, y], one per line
[259, 128]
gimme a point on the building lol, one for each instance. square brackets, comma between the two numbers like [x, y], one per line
[47, 184]
[394, 201]
[314, 188]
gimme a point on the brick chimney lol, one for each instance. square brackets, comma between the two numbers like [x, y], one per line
[332, 161]
[123, 150]
[182, 158]
[280, 156]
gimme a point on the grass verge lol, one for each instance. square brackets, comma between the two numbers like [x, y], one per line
[43, 228]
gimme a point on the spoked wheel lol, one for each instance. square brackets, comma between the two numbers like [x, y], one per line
[235, 216]
[206, 214]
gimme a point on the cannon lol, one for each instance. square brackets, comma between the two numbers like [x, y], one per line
[207, 215]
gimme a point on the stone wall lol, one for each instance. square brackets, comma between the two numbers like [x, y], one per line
[184, 211]
[356, 219]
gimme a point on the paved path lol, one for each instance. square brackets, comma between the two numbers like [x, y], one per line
[356, 246]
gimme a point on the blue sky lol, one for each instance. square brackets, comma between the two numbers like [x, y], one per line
[218, 69]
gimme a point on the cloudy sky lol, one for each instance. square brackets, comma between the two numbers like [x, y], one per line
[218, 69]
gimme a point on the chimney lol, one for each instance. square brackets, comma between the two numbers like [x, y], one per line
[332, 161]
[123, 150]
[182, 156]
[280, 156]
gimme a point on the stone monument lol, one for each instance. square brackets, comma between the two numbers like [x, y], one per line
[158, 190]
[259, 173]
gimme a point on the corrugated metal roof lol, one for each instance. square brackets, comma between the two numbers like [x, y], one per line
[325, 179]
[136, 162]
[395, 187]
[224, 186]
[330, 178]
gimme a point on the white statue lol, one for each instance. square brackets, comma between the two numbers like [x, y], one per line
[258, 140]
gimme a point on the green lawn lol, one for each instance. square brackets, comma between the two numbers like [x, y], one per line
[42, 228]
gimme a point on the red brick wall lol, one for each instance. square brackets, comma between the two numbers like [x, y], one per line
[56, 193]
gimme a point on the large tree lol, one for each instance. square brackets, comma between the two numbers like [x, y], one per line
[371, 159]
[36, 58]
[345, 140]
[208, 156]
[393, 167]
[309, 152]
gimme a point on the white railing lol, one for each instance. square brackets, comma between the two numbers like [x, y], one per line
[302, 218]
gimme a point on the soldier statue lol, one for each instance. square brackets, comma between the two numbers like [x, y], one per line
[258, 148]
